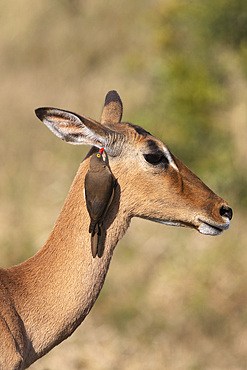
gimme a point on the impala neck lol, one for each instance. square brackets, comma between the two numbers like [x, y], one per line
[54, 290]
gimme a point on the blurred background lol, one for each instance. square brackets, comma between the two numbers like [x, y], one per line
[173, 299]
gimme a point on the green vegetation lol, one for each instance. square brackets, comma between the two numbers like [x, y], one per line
[173, 299]
[193, 88]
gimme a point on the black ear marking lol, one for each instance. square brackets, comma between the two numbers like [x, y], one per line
[113, 96]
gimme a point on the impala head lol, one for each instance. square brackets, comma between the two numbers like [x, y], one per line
[154, 184]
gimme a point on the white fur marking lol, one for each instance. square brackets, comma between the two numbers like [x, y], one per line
[214, 229]
[169, 157]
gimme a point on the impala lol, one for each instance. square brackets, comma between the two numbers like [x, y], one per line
[44, 299]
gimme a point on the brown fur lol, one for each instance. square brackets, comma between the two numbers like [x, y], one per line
[44, 299]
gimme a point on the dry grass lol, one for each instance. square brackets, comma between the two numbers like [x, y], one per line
[173, 299]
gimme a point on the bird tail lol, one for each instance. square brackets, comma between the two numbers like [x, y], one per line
[94, 244]
[97, 241]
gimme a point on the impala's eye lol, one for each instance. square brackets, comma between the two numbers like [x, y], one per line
[156, 158]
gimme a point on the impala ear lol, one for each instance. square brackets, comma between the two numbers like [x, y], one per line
[113, 108]
[73, 128]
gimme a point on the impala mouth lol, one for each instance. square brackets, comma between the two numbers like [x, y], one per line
[205, 227]
[211, 228]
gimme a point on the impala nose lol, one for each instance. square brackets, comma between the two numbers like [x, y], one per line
[226, 211]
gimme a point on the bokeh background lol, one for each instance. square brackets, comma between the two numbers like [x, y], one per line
[173, 299]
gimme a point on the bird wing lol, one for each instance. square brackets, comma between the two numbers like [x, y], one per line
[100, 195]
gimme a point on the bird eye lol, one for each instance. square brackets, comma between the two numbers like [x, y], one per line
[155, 158]
[98, 155]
